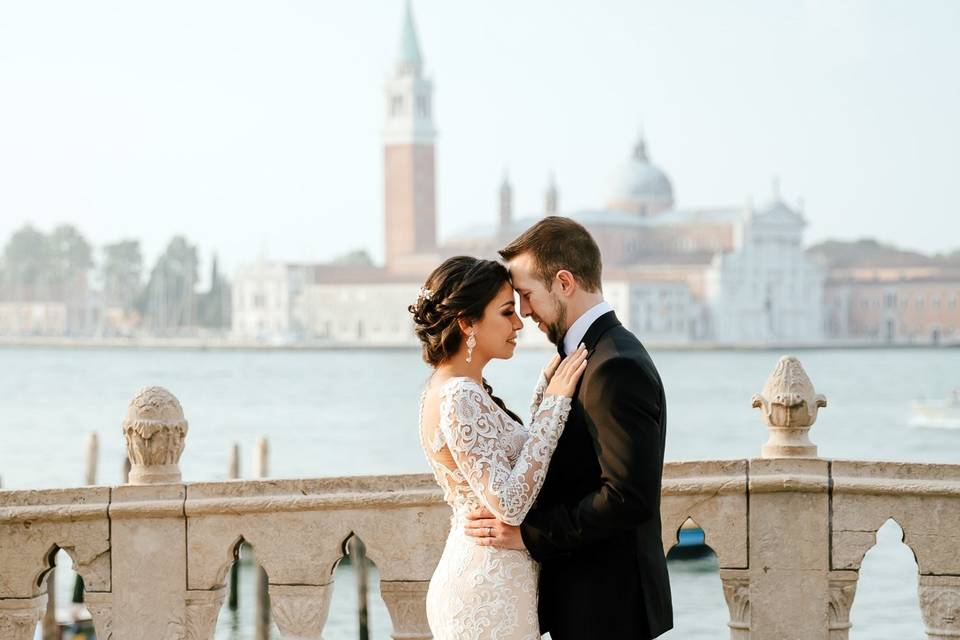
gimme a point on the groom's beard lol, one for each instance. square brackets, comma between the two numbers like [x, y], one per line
[557, 328]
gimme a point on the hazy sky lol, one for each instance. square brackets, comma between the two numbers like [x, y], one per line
[250, 125]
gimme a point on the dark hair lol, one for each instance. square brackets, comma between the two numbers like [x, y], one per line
[461, 287]
[557, 243]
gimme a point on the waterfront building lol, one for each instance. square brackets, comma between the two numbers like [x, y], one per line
[894, 304]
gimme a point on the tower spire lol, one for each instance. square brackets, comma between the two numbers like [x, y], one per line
[640, 150]
[409, 58]
[506, 201]
[551, 197]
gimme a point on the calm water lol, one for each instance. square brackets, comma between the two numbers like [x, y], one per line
[354, 412]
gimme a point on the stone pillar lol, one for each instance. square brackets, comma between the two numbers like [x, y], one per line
[19, 617]
[148, 528]
[300, 611]
[100, 606]
[407, 604]
[736, 591]
[789, 524]
[843, 586]
[940, 606]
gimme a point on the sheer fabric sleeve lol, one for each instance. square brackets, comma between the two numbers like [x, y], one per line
[538, 392]
[471, 426]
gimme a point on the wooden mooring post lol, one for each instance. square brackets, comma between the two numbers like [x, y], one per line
[233, 473]
[261, 591]
[358, 556]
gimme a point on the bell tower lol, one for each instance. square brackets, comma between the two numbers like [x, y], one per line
[410, 203]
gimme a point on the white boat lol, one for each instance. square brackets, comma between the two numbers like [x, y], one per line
[938, 413]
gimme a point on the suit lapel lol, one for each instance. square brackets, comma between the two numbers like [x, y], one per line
[599, 327]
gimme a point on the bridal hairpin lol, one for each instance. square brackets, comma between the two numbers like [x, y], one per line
[424, 294]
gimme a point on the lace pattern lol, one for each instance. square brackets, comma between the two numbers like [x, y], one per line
[477, 592]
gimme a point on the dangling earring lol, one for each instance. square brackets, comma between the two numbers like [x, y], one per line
[471, 343]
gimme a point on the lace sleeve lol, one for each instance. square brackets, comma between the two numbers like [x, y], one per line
[538, 395]
[471, 424]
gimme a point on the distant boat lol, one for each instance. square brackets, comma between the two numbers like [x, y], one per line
[938, 413]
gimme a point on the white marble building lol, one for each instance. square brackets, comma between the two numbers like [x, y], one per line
[767, 290]
[263, 296]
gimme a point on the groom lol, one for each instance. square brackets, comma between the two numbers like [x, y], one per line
[595, 528]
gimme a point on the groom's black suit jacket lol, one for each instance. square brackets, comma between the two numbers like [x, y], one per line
[595, 527]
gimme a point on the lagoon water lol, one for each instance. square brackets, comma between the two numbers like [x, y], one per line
[331, 413]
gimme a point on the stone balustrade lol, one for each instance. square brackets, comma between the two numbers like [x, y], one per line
[789, 530]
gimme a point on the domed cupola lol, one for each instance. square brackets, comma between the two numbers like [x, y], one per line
[639, 186]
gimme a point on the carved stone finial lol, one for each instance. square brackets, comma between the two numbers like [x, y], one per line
[154, 430]
[789, 407]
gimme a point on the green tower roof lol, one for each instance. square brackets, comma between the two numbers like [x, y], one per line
[409, 54]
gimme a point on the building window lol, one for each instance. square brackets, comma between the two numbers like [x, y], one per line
[396, 105]
[423, 106]
[936, 302]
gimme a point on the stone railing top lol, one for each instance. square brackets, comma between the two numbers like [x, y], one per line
[789, 406]
[154, 430]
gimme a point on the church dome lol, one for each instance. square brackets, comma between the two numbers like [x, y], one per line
[639, 186]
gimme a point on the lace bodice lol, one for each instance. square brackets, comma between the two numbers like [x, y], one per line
[482, 457]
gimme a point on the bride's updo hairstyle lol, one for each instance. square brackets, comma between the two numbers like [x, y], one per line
[461, 287]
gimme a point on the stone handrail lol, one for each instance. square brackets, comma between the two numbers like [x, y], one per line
[789, 530]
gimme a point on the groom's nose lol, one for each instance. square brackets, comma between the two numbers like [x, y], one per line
[525, 309]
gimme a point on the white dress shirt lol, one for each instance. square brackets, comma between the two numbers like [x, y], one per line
[574, 335]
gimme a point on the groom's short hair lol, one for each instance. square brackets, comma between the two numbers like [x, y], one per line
[557, 243]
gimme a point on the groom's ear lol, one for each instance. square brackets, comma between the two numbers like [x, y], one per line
[568, 284]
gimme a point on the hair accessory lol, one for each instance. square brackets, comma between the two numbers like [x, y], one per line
[424, 294]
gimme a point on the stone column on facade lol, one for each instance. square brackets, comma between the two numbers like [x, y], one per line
[203, 609]
[736, 591]
[407, 603]
[100, 606]
[940, 605]
[148, 528]
[789, 524]
[19, 617]
[300, 611]
[843, 587]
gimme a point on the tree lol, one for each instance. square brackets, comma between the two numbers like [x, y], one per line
[27, 261]
[121, 271]
[215, 304]
[71, 258]
[169, 300]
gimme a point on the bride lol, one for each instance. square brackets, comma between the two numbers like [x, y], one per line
[481, 453]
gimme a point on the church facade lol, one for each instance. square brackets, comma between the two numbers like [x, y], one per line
[724, 274]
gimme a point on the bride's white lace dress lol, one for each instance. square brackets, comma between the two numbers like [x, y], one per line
[482, 457]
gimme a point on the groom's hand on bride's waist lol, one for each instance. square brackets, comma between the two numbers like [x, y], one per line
[490, 532]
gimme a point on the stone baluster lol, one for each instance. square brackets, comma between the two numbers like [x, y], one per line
[789, 519]
[407, 603]
[940, 605]
[19, 617]
[736, 591]
[843, 586]
[148, 528]
[300, 611]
